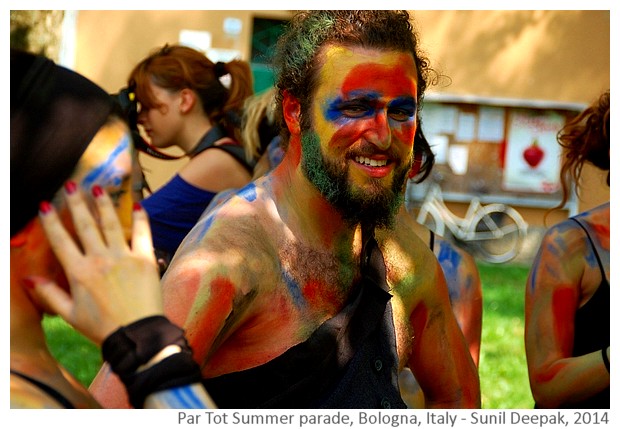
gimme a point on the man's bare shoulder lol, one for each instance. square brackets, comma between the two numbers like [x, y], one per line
[246, 215]
[240, 235]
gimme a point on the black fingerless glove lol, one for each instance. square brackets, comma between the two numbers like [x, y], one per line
[134, 345]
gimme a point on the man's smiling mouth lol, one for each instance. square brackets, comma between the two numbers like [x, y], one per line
[371, 162]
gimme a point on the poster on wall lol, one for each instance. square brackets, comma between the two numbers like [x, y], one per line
[533, 155]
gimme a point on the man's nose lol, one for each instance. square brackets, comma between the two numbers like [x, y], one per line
[379, 132]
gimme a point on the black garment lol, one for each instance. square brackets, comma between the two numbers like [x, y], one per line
[592, 329]
[55, 113]
[59, 397]
[233, 148]
[350, 361]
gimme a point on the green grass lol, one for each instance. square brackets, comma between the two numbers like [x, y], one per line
[503, 368]
[503, 371]
[78, 354]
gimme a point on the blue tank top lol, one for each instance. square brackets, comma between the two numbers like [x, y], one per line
[173, 211]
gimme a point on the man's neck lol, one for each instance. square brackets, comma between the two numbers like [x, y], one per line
[307, 211]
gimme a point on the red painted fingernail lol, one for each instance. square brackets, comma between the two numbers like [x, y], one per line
[70, 187]
[45, 207]
[97, 191]
[137, 206]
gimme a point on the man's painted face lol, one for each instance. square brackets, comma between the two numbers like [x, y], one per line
[359, 149]
[107, 162]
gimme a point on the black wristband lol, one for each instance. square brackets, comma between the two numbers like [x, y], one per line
[131, 346]
[176, 370]
[605, 358]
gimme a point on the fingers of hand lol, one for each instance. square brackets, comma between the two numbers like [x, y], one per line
[85, 225]
[62, 243]
[51, 297]
[141, 240]
[110, 224]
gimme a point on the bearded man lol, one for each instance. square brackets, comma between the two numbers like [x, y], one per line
[306, 289]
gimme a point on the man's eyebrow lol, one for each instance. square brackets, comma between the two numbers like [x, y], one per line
[407, 101]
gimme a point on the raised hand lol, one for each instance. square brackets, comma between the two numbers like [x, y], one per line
[112, 283]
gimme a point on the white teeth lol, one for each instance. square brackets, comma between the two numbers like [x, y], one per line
[371, 162]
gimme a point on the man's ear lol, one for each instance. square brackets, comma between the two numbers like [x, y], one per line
[291, 110]
[188, 100]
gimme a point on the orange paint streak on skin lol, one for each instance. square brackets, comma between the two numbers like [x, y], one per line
[216, 306]
[318, 296]
[419, 318]
[563, 305]
[601, 229]
[549, 374]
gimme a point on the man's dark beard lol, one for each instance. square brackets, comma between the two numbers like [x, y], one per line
[377, 207]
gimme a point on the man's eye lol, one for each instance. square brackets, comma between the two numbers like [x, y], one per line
[400, 115]
[355, 110]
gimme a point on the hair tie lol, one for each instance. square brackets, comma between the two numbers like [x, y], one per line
[220, 69]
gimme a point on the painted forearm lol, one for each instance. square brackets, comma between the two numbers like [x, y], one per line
[570, 380]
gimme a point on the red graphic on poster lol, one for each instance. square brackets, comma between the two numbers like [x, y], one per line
[533, 154]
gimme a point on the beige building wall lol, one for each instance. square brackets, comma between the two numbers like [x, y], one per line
[561, 56]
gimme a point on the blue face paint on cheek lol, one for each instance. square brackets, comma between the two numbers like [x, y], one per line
[108, 174]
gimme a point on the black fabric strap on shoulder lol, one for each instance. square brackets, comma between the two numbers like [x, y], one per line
[217, 133]
[431, 243]
[598, 258]
[47, 389]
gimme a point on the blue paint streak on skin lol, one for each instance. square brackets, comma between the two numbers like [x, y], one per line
[368, 103]
[533, 276]
[590, 257]
[204, 224]
[449, 259]
[248, 192]
[106, 173]
[293, 287]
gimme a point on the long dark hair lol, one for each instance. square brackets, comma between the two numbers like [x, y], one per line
[585, 139]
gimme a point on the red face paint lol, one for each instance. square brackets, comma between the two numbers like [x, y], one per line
[366, 93]
[392, 85]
